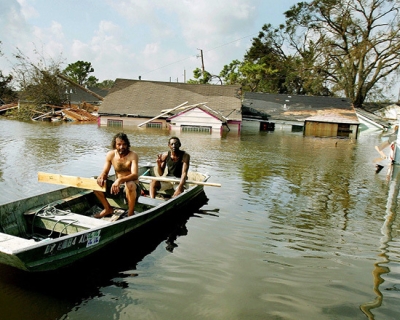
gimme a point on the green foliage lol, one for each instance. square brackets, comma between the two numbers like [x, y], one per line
[204, 77]
[268, 68]
[355, 43]
[106, 84]
[79, 72]
[39, 83]
[7, 94]
[326, 47]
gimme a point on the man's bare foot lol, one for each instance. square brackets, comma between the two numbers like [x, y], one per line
[104, 213]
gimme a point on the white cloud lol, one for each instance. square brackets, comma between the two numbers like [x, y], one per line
[27, 10]
[156, 39]
[151, 49]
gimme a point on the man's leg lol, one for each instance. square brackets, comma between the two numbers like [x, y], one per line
[154, 185]
[103, 200]
[131, 193]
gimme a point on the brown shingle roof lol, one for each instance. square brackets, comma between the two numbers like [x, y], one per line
[148, 98]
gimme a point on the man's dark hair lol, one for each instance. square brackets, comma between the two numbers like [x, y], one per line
[123, 137]
[176, 138]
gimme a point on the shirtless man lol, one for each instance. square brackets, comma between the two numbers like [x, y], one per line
[125, 163]
[177, 161]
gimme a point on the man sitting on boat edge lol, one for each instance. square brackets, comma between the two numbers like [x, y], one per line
[177, 163]
[125, 163]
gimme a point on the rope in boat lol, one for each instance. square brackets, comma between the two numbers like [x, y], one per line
[51, 212]
[66, 226]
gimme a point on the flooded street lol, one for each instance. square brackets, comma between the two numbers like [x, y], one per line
[302, 228]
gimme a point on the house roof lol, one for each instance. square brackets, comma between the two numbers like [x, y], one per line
[77, 95]
[205, 109]
[375, 106]
[300, 108]
[148, 98]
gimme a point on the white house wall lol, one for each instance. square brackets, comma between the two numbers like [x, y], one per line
[196, 117]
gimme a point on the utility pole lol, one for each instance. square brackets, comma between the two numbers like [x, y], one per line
[202, 60]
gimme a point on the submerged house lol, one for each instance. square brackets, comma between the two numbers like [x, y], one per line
[177, 106]
[316, 116]
[378, 115]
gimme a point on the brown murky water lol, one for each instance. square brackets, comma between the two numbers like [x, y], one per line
[302, 228]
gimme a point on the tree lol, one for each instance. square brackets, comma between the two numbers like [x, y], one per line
[79, 73]
[106, 84]
[252, 76]
[355, 42]
[203, 77]
[7, 94]
[39, 83]
[267, 67]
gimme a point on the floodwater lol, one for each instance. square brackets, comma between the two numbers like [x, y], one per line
[302, 228]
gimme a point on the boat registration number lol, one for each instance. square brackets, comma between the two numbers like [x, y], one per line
[91, 239]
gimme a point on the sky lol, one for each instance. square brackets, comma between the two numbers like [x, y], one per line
[158, 40]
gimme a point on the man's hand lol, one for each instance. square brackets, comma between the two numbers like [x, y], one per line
[159, 160]
[115, 187]
[101, 180]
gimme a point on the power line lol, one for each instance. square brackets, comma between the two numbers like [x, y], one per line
[222, 45]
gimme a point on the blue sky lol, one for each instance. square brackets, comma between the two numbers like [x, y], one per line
[155, 39]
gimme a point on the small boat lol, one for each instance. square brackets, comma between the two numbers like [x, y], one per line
[53, 230]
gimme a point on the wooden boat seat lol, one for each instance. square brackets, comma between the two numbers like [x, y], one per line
[67, 223]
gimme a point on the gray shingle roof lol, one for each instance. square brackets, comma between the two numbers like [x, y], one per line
[148, 98]
[77, 95]
[300, 108]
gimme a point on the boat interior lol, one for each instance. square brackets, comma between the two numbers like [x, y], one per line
[73, 213]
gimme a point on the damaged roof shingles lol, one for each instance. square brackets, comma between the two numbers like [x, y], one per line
[301, 108]
[148, 98]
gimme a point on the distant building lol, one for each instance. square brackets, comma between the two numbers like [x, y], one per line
[317, 116]
[207, 108]
[379, 115]
[78, 96]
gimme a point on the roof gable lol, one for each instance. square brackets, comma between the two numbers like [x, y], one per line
[202, 108]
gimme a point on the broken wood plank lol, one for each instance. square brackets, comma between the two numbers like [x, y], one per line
[162, 114]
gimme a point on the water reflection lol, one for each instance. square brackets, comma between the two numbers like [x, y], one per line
[381, 268]
[295, 234]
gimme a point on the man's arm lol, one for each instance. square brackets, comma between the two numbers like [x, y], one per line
[106, 169]
[185, 169]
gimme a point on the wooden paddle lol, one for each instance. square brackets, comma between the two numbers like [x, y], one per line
[164, 179]
[79, 182]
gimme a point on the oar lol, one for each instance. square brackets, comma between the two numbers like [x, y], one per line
[164, 179]
[78, 182]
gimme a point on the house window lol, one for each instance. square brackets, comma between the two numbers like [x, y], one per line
[296, 128]
[344, 130]
[114, 123]
[267, 126]
[154, 125]
[196, 129]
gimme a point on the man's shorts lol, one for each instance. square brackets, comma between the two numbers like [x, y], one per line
[122, 193]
